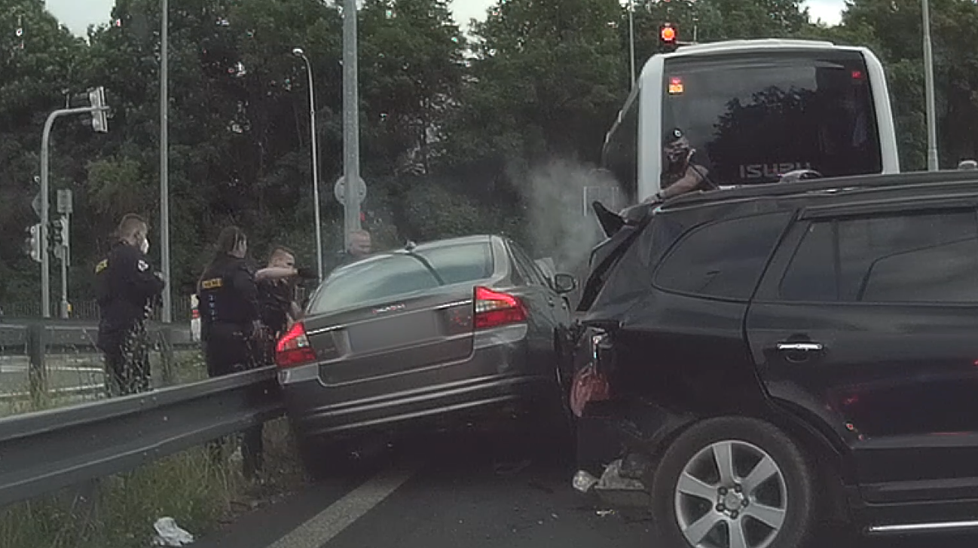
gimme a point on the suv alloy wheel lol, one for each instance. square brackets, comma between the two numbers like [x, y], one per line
[734, 483]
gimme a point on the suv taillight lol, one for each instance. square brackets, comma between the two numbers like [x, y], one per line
[493, 309]
[293, 348]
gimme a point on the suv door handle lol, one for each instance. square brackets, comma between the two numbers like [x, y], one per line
[800, 347]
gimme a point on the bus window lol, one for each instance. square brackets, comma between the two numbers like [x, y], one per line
[620, 155]
[758, 115]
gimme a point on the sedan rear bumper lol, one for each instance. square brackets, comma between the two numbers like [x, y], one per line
[475, 399]
[502, 377]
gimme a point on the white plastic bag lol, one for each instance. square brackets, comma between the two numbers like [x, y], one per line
[168, 533]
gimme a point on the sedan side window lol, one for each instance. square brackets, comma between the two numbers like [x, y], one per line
[527, 266]
[910, 257]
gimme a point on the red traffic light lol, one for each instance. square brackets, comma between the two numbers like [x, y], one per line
[668, 34]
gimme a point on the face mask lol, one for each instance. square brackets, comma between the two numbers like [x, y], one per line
[144, 246]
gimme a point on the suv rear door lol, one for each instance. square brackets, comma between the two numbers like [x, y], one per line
[867, 322]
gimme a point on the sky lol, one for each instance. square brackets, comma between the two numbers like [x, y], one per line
[78, 14]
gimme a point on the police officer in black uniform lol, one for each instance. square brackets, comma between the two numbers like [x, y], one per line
[230, 323]
[126, 287]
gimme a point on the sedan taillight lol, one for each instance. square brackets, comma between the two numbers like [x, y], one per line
[494, 309]
[293, 349]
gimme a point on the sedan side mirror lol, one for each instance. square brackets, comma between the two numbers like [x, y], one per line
[564, 283]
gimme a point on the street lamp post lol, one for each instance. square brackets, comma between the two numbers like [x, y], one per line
[932, 161]
[298, 52]
[631, 36]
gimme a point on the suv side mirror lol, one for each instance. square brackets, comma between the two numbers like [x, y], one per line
[564, 283]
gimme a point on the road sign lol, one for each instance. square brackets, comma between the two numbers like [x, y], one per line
[64, 201]
[339, 190]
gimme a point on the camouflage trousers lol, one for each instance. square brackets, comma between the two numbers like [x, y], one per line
[127, 369]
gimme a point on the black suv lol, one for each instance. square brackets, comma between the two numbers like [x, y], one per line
[780, 356]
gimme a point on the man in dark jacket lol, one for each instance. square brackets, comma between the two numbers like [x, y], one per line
[276, 297]
[126, 288]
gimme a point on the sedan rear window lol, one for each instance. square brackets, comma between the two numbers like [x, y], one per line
[391, 276]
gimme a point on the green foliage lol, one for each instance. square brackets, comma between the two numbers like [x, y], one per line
[453, 125]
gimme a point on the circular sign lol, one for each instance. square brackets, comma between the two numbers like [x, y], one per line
[339, 190]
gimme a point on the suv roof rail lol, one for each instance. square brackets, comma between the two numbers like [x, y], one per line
[837, 184]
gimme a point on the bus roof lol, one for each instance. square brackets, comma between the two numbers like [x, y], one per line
[731, 46]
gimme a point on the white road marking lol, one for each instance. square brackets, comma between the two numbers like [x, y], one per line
[354, 505]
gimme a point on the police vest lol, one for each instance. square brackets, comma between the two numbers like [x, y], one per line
[219, 300]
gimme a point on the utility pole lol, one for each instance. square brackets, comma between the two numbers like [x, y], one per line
[351, 122]
[631, 36]
[932, 161]
[165, 161]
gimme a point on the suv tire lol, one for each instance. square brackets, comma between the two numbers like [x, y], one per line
[710, 508]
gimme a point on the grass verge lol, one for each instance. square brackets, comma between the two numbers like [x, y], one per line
[119, 511]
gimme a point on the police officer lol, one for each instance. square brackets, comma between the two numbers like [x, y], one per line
[230, 322]
[126, 288]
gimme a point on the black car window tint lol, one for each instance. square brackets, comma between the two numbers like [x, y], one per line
[887, 258]
[723, 259]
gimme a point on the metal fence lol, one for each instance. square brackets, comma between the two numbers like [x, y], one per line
[84, 310]
[44, 358]
[46, 451]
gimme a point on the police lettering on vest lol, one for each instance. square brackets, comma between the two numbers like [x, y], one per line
[228, 296]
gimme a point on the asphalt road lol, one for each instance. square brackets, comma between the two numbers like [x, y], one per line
[462, 491]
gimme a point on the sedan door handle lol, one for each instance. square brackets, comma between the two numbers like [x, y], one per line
[800, 347]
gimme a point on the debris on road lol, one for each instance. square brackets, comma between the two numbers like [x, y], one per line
[168, 533]
[611, 479]
[584, 481]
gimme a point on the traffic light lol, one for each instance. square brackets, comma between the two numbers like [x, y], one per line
[34, 242]
[59, 232]
[94, 97]
[668, 35]
[100, 119]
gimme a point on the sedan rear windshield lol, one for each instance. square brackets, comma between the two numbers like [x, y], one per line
[391, 276]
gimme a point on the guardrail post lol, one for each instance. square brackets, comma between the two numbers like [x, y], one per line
[36, 372]
[166, 354]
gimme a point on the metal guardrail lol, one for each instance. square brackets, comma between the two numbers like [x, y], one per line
[45, 451]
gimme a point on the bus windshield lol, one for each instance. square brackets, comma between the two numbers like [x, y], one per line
[757, 116]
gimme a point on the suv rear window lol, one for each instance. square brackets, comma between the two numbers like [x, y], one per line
[391, 276]
[887, 258]
[722, 259]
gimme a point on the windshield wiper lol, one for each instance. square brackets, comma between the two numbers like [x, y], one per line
[427, 266]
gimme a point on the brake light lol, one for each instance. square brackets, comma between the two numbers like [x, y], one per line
[293, 348]
[493, 309]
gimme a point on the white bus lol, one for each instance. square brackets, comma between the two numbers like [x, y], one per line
[753, 110]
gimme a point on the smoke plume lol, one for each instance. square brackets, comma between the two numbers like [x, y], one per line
[562, 226]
